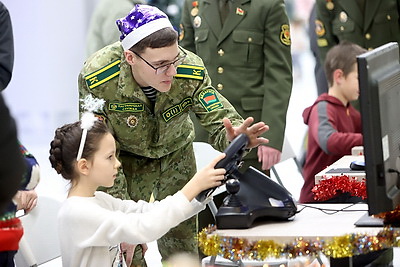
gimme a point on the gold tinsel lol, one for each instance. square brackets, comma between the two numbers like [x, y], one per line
[349, 245]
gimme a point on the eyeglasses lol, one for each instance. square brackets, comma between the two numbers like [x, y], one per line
[162, 69]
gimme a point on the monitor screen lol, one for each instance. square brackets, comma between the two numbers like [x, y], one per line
[379, 82]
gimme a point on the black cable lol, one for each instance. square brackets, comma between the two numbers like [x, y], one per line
[330, 211]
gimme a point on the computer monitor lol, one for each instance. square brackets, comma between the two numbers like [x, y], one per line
[379, 82]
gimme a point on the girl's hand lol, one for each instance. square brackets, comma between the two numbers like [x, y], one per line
[206, 178]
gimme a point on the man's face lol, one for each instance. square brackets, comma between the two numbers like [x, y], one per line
[144, 66]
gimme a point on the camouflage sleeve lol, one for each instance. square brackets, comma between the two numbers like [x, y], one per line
[119, 189]
[210, 108]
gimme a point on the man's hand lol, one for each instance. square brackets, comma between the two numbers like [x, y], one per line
[129, 251]
[268, 156]
[26, 200]
[253, 132]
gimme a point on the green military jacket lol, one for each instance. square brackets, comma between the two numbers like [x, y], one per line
[154, 132]
[338, 20]
[248, 58]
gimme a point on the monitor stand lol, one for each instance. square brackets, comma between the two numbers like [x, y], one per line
[369, 221]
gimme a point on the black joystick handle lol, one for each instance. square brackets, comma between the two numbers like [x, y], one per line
[233, 186]
[232, 161]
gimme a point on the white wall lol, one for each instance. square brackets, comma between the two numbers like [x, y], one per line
[49, 41]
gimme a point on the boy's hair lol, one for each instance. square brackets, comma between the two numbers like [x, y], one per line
[65, 145]
[161, 38]
[342, 56]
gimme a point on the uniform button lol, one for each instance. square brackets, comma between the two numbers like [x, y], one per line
[220, 86]
[388, 17]
[221, 52]
[220, 70]
[196, 38]
[250, 39]
[341, 28]
[367, 36]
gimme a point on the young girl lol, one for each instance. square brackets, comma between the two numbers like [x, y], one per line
[93, 223]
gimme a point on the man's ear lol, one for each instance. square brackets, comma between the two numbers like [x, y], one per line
[129, 57]
[83, 166]
[338, 76]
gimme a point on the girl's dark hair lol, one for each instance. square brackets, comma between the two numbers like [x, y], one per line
[161, 38]
[65, 145]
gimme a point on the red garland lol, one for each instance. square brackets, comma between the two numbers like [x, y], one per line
[328, 187]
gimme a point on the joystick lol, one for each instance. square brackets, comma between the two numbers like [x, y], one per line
[232, 186]
[231, 163]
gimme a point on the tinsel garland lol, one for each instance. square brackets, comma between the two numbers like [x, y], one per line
[329, 187]
[349, 245]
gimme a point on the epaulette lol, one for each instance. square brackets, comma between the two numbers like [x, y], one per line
[104, 74]
[190, 72]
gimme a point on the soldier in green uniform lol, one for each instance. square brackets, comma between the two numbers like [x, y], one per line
[149, 85]
[248, 58]
[368, 23]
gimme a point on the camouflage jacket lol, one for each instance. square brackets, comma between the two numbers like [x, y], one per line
[148, 131]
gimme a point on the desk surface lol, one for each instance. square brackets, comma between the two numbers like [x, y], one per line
[343, 162]
[310, 223]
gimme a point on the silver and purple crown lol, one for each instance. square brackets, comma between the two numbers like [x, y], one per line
[141, 21]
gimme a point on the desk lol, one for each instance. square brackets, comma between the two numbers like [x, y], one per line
[342, 167]
[310, 225]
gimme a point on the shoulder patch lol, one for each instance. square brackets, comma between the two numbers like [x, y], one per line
[209, 99]
[190, 72]
[285, 35]
[103, 75]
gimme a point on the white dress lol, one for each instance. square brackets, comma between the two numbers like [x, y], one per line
[90, 226]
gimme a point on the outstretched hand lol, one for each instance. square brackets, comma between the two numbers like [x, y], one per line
[206, 178]
[252, 131]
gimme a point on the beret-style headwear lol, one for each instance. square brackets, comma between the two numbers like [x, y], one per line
[141, 21]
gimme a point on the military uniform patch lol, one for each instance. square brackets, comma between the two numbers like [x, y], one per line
[132, 121]
[319, 28]
[190, 72]
[209, 100]
[181, 32]
[322, 42]
[126, 107]
[177, 109]
[103, 75]
[285, 34]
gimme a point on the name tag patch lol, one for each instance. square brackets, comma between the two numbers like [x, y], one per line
[126, 107]
[177, 109]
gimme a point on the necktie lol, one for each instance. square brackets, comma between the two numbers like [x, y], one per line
[223, 9]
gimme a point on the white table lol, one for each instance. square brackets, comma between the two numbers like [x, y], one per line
[309, 224]
[337, 168]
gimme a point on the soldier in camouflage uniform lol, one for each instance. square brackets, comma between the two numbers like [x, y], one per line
[153, 131]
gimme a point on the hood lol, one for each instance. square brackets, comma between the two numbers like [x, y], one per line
[324, 97]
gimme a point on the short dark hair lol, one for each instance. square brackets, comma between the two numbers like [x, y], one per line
[161, 38]
[342, 56]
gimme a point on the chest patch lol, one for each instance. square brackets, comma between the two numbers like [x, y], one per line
[177, 109]
[210, 100]
[126, 107]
